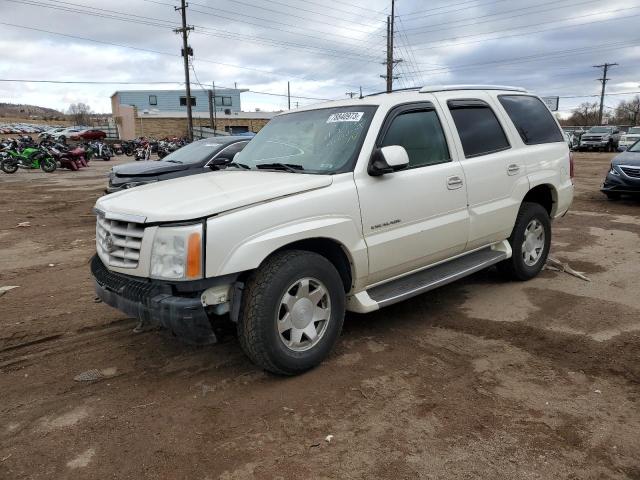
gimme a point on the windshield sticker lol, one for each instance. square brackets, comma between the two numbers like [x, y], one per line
[345, 117]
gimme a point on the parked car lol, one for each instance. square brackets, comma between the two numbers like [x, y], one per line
[90, 134]
[629, 138]
[349, 205]
[197, 157]
[604, 138]
[624, 175]
[65, 134]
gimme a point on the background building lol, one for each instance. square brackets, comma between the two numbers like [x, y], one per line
[176, 100]
[163, 113]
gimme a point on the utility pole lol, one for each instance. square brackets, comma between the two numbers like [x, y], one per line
[361, 97]
[211, 107]
[186, 51]
[288, 96]
[215, 110]
[604, 80]
[390, 62]
[351, 94]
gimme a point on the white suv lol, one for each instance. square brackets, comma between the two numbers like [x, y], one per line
[348, 205]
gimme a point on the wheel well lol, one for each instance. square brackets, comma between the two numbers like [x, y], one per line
[543, 195]
[332, 251]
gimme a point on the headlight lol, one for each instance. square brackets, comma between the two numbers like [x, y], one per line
[177, 253]
[613, 171]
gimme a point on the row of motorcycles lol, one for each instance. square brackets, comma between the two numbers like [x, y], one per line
[142, 148]
[49, 154]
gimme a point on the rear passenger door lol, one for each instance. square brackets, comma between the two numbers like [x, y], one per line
[492, 167]
[417, 216]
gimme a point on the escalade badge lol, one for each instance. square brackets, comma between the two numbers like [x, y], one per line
[108, 241]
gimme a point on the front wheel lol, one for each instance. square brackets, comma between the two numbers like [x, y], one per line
[530, 241]
[48, 165]
[292, 312]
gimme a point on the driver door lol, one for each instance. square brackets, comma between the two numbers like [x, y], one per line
[417, 216]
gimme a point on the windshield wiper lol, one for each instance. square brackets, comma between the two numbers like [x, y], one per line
[287, 167]
[238, 165]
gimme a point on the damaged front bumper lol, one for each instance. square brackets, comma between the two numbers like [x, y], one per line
[176, 307]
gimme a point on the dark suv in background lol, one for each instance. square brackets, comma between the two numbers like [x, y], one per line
[197, 157]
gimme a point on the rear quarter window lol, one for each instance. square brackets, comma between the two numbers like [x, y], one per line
[532, 119]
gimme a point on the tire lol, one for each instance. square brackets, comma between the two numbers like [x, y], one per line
[613, 195]
[106, 158]
[9, 166]
[516, 267]
[48, 165]
[264, 307]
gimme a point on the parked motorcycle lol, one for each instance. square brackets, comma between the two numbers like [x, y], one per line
[18, 155]
[100, 150]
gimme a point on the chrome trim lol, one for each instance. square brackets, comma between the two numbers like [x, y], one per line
[448, 88]
[122, 217]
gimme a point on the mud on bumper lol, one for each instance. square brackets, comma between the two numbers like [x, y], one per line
[154, 302]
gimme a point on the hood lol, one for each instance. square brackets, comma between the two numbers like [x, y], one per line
[199, 196]
[627, 158]
[135, 169]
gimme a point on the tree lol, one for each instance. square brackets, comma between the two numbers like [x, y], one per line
[628, 112]
[80, 113]
[585, 114]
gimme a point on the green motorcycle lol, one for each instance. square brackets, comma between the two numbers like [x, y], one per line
[28, 157]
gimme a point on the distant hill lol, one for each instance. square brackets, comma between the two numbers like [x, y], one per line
[11, 110]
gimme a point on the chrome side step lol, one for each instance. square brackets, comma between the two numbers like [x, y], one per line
[434, 277]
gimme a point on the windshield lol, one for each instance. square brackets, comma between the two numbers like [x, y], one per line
[195, 152]
[601, 130]
[634, 131]
[322, 141]
[635, 147]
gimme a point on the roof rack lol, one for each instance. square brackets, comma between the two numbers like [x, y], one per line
[409, 89]
[446, 88]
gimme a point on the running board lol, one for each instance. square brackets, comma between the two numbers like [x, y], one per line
[434, 277]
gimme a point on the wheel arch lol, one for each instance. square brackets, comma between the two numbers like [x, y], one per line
[331, 249]
[543, 194]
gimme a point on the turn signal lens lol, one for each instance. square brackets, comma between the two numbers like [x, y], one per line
[194, 256]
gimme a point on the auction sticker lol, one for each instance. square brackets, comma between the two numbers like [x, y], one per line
[345, 117]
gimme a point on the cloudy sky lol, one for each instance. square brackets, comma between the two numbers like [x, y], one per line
[325, 48]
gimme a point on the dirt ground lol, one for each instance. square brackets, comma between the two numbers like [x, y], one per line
[479, 379]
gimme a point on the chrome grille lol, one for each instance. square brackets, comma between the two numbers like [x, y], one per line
[631, 171]
[118, 243]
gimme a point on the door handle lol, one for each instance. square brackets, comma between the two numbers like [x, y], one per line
[453, 183]
[513, 169]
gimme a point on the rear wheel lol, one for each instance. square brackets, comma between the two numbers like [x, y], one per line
[9, 166]
[530, 242]
[292, 312]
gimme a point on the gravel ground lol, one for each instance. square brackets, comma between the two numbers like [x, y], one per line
[479, 379]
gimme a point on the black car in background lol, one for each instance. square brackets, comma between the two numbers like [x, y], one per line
[197, 157]
[624, 175]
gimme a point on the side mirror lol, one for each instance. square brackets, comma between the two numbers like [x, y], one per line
[216, 163]
[388, 160]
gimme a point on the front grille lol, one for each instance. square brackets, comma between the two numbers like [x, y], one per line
[136, 290]
[631, 171]
[592, 139]
[118, 243]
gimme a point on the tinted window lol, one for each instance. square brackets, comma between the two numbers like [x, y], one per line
[532, 119]
[231, 150]
[153, 100]
[420, 133]
[183, 101]
[479, 129]
[195, 152]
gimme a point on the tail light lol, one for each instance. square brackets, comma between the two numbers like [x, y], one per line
[571, 166]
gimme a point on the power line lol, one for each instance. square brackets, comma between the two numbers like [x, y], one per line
[158, 52]
[458, 23]
[445, 45]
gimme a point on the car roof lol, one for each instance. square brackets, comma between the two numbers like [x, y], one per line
[225, 139]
